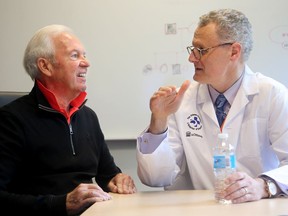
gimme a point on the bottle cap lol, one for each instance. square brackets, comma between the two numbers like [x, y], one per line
[223, 135]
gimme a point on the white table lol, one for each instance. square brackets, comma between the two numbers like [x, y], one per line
[183, 203]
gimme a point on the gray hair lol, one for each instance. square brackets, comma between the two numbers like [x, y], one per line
[232, 26]
[41, 46]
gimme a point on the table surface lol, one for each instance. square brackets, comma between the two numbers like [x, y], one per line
[182, 203]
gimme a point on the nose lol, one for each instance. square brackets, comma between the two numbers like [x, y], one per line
[192, 58]
[84, 62]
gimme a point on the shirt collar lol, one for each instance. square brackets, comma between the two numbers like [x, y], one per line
[75, 104]
[229, 94]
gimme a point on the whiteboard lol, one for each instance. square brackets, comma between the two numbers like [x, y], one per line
[134, 47]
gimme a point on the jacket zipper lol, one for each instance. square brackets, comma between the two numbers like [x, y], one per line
[70, 126]
[71, 139]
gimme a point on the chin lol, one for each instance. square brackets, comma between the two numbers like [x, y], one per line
[197, 77]
[83, 88]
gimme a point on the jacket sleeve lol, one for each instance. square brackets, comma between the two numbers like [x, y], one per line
[16, 204]
[107, 168]
[278, 133]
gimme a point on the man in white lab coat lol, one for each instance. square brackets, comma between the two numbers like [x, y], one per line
[175, 151]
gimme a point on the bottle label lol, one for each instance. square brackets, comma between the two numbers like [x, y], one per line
[219, 161]
[232, 161]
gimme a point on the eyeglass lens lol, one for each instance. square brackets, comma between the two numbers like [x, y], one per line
[195, 51]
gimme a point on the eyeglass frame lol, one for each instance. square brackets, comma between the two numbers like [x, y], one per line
[191, 48]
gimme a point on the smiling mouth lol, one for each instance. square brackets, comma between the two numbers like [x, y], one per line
[82, 75]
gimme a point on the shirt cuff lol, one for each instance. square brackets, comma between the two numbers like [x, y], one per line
[283, 188]
[148, 142]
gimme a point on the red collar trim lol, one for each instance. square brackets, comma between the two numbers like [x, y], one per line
[74, 105]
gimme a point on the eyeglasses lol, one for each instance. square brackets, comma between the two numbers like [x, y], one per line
[198, 52]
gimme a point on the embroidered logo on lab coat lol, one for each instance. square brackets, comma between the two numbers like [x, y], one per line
[194, 122]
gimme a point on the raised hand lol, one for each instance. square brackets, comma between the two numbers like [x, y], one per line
[164, 102]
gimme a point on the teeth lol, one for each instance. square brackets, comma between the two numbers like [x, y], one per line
[82, 75]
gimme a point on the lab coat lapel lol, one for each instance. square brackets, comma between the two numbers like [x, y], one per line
[205, 101]
[237, 108]
[248, 87]
[234, 119]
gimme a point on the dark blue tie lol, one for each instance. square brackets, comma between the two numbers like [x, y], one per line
[220, 104]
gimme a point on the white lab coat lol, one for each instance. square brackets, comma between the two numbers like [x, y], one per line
[257, 124]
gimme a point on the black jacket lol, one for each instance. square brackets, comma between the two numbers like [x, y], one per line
[42, 157]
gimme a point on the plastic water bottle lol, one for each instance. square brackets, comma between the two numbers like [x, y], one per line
[224, 165]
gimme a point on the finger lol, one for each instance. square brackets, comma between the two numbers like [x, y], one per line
[240, 195]
[132, 187]
[121, 183]
[94, 186]
[102, 194]
[125, 184]
[103, 197]
[167, 89]
[234, 177]
[100, 199]
[129, 186]
[183, 88]
[242, 192]
[243, 196]
[163, 94]
[112, 186]
[94, 190]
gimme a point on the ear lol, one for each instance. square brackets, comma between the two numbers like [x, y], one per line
[44, 66]
[236, 51]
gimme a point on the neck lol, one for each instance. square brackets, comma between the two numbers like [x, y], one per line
[63, 102]
[230, 80]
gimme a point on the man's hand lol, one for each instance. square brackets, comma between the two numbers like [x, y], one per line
[243, 188]
[164, 102]
[122, 184]
[83, 196]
